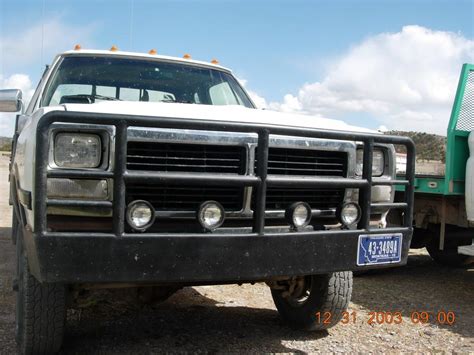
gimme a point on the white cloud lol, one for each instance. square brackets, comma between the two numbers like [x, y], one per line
[290, 104]
[407, 80]
[18, 81]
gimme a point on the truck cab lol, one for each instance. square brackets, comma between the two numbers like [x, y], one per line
[156, 172]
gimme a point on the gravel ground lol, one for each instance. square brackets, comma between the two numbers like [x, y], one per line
[243, 318]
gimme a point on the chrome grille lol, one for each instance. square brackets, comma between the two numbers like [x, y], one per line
[176, 157]
[289, 161]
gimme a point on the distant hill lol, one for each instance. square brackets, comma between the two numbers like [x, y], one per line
[5, 144]
[428, 146]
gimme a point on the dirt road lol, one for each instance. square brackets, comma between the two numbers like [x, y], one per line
[243, 319]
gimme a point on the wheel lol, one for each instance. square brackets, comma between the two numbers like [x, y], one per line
[449, 256]
[314, 302]
[40, 309]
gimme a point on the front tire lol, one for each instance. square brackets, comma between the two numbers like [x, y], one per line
[40, 309]
[314, 302]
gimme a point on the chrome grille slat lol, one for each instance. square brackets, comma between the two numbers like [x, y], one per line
[182, 165]
[180, 158]
[336, 171]
[303, 163]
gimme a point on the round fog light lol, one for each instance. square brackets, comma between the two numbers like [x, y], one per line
[140, 215]
[299, 214]
[211, 215]
[349, 213]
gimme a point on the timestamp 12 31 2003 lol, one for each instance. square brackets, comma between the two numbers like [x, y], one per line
[390, 317]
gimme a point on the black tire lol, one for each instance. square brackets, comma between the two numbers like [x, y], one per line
[327, 297]
[448, 257]
[40, 309]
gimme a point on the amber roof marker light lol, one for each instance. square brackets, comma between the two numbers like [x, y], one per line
[187, 56]
[152, 51]
[77, 47]
[114, 48]
[214, 61]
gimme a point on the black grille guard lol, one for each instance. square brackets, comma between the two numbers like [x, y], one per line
[261, 181]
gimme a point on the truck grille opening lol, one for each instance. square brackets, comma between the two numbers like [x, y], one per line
[321, 199]
[179, 157]
[290, 161]
[186, 198]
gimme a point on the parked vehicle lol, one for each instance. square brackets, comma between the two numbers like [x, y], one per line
[155, 172]
[444, 204]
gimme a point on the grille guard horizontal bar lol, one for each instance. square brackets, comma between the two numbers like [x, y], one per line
[382, 182]
[191, 178]
[278, 181]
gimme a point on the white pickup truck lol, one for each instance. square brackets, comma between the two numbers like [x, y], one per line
[154, 172]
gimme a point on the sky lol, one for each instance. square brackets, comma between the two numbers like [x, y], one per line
[372, 63]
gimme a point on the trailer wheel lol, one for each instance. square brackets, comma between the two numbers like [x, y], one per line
[449, 256]
[40, 309]
[314, 302]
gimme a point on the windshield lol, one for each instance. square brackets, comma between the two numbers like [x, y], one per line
[89, 79]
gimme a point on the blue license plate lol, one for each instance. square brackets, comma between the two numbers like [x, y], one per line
[379, 249]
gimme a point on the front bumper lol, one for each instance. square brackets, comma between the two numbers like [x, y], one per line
[197, 259]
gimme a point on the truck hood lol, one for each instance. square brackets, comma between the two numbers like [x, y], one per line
[233, 113]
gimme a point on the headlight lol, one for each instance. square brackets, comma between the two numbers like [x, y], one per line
[77, 150]
[378, 162]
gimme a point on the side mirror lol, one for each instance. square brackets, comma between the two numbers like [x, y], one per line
[11, 100]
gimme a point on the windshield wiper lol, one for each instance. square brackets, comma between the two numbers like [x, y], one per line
[108, 98]
[91, 98]
[177, 101]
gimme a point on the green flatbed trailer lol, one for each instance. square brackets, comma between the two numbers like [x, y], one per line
[441, 222]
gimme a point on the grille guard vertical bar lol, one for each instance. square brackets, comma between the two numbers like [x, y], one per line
[262, 167]
[365, 197]
[40, 193]
[120, 167]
